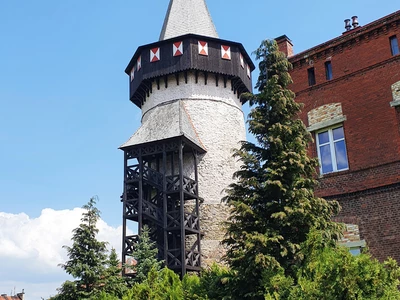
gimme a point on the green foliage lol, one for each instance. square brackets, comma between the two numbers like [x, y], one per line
[87, 255]
[333, 273]
[191, 287]
[273, 202]
[213, 284]
[159, 285]
[97, 276]
[114, 283]
[67, 291]
[146, 256]
[105, 296]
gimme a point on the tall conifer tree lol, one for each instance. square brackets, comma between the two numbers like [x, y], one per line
[114, 282]
[273, 202]
[87, 256]
[145, 254]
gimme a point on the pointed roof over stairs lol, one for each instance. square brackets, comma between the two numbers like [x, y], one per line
[187, 16]
[165, 121]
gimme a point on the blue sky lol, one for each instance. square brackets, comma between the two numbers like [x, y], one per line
[64, 106]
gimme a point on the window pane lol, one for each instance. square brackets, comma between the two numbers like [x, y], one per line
[338, 133]
[326, 159]
[394, 45]
[355, 251]
[323, 137]
[328, 70]
[341, 155]
[311, 76]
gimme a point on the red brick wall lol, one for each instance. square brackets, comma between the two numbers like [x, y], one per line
[363, 72]
[378, 222]
[364, 90]
[360, 51]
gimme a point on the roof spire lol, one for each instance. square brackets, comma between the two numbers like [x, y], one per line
[187, 16]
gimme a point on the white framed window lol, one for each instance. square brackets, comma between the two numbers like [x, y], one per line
[332, 151]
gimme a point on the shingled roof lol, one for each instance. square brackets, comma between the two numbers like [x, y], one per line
[187, 16]
[168, 120]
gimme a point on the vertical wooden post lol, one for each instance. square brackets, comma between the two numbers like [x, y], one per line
[182, 210]
[140, 210]
[124, 198]
[196, 178]
[165, 205]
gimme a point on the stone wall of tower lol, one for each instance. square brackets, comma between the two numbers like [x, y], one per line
[217, 116]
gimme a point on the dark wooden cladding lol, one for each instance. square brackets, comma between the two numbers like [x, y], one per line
[160, 194]
[190, 60]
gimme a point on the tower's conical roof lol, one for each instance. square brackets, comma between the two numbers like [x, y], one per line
[187, 16]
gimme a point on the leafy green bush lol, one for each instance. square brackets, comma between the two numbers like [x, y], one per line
[159, 285]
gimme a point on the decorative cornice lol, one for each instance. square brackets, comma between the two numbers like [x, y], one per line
[354, 36]
[344, 77]
[200, 54]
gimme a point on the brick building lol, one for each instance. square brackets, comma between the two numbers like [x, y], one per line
[19, 296]
[350, 87]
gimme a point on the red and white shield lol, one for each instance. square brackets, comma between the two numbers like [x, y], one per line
[203, 48]
[248, 71]
[241, 61]
[155, 54]
[139, 63]
[132, 74]
[226, 52]
[177, 49]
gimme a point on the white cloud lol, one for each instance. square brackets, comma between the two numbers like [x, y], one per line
[31, 249]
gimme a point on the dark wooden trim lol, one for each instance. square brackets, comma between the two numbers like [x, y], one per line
[182, 210]
[165, 204]
[140, 212]
[155, 194]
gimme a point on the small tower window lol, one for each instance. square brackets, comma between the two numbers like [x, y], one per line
[394, 45]
[311, 76]
[328, 70]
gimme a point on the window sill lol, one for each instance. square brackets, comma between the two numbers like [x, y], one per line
[334, 173]
[395, 103]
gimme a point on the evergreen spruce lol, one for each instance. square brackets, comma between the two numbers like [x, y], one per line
[114, 282]
[158, 285]
[145, 254]
[273, 202]
[87, 256]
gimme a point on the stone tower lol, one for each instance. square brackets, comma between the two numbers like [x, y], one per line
[178, 163]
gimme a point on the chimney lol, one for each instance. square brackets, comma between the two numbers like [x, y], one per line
[355, 21]
[285, 45]
[21, 295]
[347, 24]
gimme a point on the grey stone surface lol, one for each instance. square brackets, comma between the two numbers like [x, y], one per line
[327, 123]
[396, 94]
[212, 115]
[167, 120]
[187, 16]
